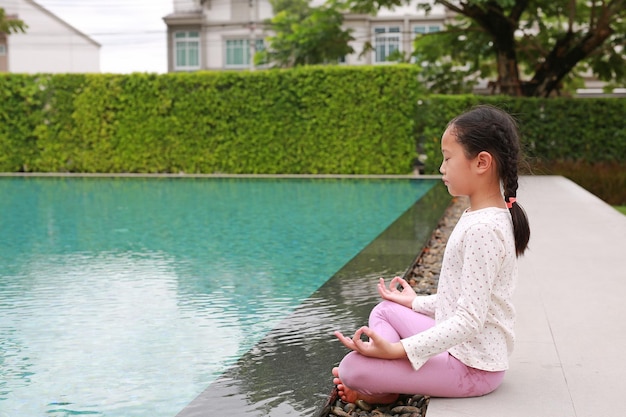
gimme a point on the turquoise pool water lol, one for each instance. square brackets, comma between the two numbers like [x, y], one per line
[128, 296]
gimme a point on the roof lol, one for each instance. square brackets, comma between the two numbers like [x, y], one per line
[63, 22]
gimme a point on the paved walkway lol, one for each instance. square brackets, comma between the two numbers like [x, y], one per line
[571, 303]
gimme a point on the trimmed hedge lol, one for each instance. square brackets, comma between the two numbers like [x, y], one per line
[581, 139]
[552, 130]
[20, 114]
[311, 120]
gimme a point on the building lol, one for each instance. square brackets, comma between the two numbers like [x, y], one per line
[224, 34]
[50, 45]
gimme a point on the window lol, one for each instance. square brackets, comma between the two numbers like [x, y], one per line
[187, 50]
[3, 49]
[386, 41]
[426, 29]
[238, 52]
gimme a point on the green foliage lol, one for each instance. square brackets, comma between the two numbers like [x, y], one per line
[9, 25]
[591, 130]
[468, 58]
[56, 145]
[308, 120]
[305, 35]
[582, 139]
[20, 112]
[567, 24]
[525, 48]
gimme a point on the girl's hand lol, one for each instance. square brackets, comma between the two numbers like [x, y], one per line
[404, 297]
[376, 347]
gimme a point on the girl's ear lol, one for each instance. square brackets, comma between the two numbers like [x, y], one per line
[484, 161]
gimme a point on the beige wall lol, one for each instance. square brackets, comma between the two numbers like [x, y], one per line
[50, 45]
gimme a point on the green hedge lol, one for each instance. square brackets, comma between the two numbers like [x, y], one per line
[20, 114]
[349, 120]
[312, 120]
[553, 130]
[581, 139]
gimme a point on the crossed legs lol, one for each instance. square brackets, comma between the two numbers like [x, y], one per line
[379, 381]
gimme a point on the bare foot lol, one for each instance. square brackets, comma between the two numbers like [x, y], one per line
[348, 395]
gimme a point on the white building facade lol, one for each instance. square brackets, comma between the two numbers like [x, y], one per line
[50, 45]
[224, 34]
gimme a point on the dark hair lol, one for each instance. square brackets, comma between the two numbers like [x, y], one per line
[490, 129]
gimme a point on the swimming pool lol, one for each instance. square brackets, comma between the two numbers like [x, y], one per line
[128, 296]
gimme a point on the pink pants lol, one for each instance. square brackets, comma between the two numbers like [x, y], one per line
[442, 376]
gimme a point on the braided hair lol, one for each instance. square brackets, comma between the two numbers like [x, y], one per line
[490, 129]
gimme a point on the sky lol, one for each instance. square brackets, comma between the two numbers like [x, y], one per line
[131, 33]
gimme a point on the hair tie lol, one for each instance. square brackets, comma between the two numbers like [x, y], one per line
[509, 203]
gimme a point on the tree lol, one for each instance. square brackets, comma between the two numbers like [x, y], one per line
[9, 25]
[305, 35]
[532, 47]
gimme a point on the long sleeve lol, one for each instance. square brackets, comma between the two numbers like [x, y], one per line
[473, 290]
[425, 304]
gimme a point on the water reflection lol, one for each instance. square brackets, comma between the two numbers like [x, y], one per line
[288, 372]
[112, 311]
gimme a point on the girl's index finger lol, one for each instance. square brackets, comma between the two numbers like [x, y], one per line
[401, 281]
[393, 285]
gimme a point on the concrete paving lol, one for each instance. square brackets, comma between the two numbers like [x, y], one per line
[571, 306]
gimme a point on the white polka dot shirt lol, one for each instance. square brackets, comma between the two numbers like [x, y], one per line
[473, 311]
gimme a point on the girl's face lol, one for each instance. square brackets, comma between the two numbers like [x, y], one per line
[456, 168]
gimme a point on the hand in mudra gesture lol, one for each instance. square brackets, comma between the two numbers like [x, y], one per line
[375, 347]
[403, 296]
[399, 291]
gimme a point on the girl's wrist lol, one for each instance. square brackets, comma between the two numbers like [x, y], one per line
[398, 351]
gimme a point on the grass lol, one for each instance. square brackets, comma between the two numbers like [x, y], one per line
[621, 209]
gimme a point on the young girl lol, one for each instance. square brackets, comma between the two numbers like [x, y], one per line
[454, 343]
